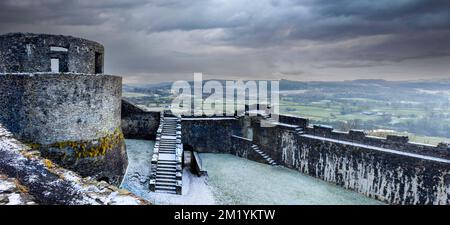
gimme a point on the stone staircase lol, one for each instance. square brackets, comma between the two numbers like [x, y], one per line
[166, 176]
[266, 157]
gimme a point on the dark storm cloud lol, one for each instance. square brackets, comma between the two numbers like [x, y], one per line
[253, 38]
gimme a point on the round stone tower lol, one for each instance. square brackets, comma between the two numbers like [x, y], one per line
[31, 53]
[55, 97]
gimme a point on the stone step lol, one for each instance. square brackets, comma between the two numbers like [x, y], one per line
[168, 142]
[167, 162]
[166, 169]
[167, 180]
[166, 173]
[166, 191]
[167, 152]
[163, 187]
[167, 166]
[166, 184]
[159, 176]
[170, 151]
[167, 148]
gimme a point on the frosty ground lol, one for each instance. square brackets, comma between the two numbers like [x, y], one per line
[234, 180]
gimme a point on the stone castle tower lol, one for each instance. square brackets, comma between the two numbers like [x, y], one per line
[55, 97]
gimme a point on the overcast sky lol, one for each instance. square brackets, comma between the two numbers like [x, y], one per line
[151, 41]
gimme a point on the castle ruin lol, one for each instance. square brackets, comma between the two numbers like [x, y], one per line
[55, 99]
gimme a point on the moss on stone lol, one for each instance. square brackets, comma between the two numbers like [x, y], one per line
[99, 147]
[86, 149]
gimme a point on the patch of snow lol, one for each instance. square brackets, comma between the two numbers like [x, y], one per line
[5, 186]
[15, 199]
[195, 189]
[237, 180]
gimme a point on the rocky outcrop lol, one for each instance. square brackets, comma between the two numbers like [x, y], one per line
[49, 183]
[14, 193]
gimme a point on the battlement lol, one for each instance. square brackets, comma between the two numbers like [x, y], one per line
[55, 97]
[29, 53]
[396, 142]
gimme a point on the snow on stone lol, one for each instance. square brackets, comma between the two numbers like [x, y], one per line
[380, 149]
[195, 189]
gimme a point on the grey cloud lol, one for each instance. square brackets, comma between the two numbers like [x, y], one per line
[254, 38]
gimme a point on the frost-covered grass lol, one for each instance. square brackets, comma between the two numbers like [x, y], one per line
[195, 189]
[139, 161]
[239, 181]
[234, 180]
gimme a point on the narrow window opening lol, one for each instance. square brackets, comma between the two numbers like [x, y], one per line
[54, 65]
[98, 63]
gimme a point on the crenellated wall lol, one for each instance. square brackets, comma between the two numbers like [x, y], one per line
[395, 177]
[31, 53]
[390, 170]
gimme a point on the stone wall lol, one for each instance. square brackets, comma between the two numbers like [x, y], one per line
[242, 147]
[138, 123]
[28, 53]
[400, 143]
[73, 119]
[390, 170]
[393, 176]
[209, 134]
